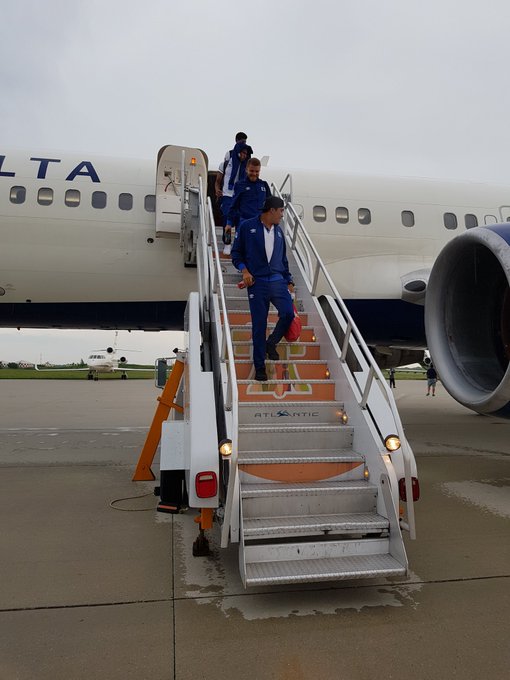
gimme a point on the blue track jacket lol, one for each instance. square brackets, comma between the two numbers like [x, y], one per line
[249, 251]
[248, 200]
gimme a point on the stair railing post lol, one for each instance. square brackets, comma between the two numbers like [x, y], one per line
[366, 391]
[316, 278]
[347, 339]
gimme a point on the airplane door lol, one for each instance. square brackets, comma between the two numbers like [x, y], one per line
[178, 169]
[504, 211]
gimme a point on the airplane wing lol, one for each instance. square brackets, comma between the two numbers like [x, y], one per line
[60, 369]
[145, 370]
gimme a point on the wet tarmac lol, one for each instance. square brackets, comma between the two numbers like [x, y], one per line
[95, 583]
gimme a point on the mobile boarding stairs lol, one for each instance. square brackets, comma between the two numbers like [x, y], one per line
[314, 470]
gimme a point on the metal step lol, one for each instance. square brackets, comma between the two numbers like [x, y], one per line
[278, 499]
[300, 467]
[243, 332]
[282, 457]
[263, 412]
[237, 317]
[321, 569]
[281, 390]
[294, 437]
[300, 369]
[286, 350]
[233, 292]
[242, 304]
[259, 528]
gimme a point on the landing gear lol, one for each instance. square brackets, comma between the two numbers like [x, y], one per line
[123, 376]
[89, 376]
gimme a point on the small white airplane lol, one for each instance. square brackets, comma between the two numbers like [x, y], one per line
[420, 263]
[103, 361]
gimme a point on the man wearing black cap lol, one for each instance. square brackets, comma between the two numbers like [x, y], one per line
[260, 253]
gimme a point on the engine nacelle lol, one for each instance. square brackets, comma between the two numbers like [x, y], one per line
[122, 360]
[467, 318]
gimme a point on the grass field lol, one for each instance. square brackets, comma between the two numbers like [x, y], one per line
[406, 375]
[32, 374]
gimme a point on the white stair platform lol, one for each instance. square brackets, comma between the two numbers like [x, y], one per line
[323, 569]
[348, 523]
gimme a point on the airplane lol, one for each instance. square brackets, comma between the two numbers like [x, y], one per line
[103, 361]
[420, 263]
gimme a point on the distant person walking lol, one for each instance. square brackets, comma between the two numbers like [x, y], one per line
[391, 374]
[431, 380]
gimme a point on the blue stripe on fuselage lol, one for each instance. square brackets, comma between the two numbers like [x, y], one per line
[389, 322]
[381, 322]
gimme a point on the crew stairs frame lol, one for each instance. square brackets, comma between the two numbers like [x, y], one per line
[308, 490]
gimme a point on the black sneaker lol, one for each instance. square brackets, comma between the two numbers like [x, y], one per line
[260, 374]
[271, 352]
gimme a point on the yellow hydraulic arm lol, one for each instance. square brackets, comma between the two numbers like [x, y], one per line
[143, 472]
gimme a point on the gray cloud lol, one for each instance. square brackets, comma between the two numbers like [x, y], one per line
[393, 87]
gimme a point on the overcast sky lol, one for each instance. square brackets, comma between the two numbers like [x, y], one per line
[378, 86]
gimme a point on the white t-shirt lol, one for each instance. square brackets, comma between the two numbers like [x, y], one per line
[269, 242]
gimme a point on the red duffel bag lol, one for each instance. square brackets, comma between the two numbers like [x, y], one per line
[294, 330]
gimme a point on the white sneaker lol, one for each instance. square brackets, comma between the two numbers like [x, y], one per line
[227, 250]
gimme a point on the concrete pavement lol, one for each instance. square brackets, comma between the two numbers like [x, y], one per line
[92, 591]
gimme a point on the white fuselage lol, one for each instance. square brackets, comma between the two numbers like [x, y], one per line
[100, 363]
[56, 247]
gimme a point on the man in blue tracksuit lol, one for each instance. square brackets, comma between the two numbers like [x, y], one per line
[249, 196]
[259, 252]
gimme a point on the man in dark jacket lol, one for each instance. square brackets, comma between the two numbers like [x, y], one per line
[249, 196]
[259, 252]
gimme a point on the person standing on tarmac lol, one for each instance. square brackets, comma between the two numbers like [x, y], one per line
[391, 374]
[249, 196]
[259, 252]
[431, 380]
[229, 172]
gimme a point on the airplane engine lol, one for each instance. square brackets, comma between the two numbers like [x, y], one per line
[467, 318]
[110, 350]
[122, 360]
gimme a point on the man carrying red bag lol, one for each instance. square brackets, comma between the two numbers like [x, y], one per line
[260, 254]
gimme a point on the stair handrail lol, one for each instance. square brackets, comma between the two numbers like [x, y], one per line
[354, 339]
[230, 399]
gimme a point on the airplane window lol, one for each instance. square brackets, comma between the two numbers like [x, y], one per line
[125, 201]
[470, 221]
[18, 194]
[364, 216]
[98, 199]
[319, 213]
[342, 215]
[150, 203]
[490, 219]
[407, 218]
[45, 196]
[72, 198]
[450, 220]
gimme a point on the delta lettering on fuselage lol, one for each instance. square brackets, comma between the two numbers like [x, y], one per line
[83, 169]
